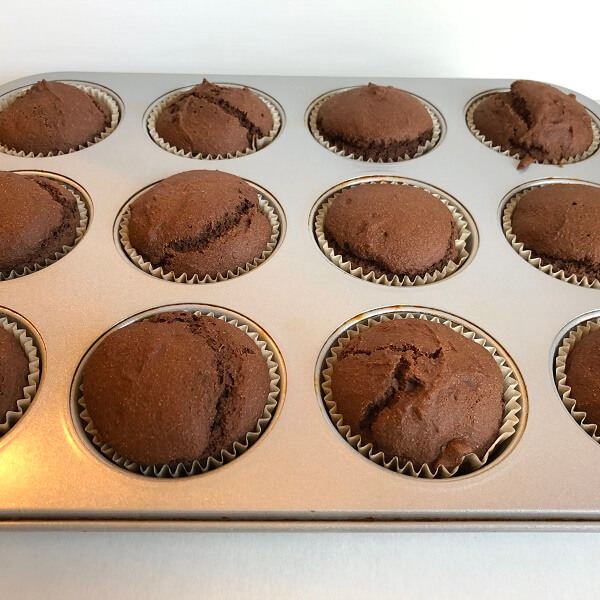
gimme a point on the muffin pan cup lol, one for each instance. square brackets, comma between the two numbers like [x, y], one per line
[98, 92]
[11, 324]
[267, 204]
[566, 345]
[226, 454]
[84, 218]
[155, 110]
[301, 473]
[509, 206]
[464, 231]
[475, 102]
[313, 112]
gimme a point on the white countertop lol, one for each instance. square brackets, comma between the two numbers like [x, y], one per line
[62, 566]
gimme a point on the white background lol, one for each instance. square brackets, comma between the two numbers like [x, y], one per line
[550, 41]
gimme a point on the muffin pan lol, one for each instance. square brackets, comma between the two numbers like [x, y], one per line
[300, 473]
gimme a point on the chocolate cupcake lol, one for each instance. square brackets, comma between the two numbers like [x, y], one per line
[40, 220]
[19, 372]
[212, 121]
[175, 389]
[535, 121]
[582, 376]
[206, 224]
[419, 391]
[52, 117]
[557, 224]
[575, 368]
[14, 373]
[373, 122]
[391, 230]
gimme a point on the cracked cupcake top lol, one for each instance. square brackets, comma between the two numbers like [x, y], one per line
[535, 121]
[37, 218]
[391, 229]
[175, 388]
[420, 391]
[52, 117]
[559, 224]
[213, 119]
[199, 222]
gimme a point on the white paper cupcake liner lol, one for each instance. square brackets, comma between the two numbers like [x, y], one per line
[462, 234]
[511, 394]
[312, 124]
[528, 255]
[138, 260]
[561, 378]
[80, 231]
[12, 417]
[90, 89]
[564, 161]
[258, 144]
[226, 455]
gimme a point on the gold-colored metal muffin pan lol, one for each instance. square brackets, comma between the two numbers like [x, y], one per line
[301, 473]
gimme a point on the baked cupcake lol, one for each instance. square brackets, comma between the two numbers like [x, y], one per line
[14, 373]
[374, 122]
[38, 219]
[536, 121]
[419, 391]
[175, 388]
[392, 230]
[52, 117]
[214, 120]
[558, 223]
[204, 223]
[582, 376]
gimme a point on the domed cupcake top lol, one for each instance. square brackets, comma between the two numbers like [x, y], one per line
[175, 388]
[52, 117]
[375, 122]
